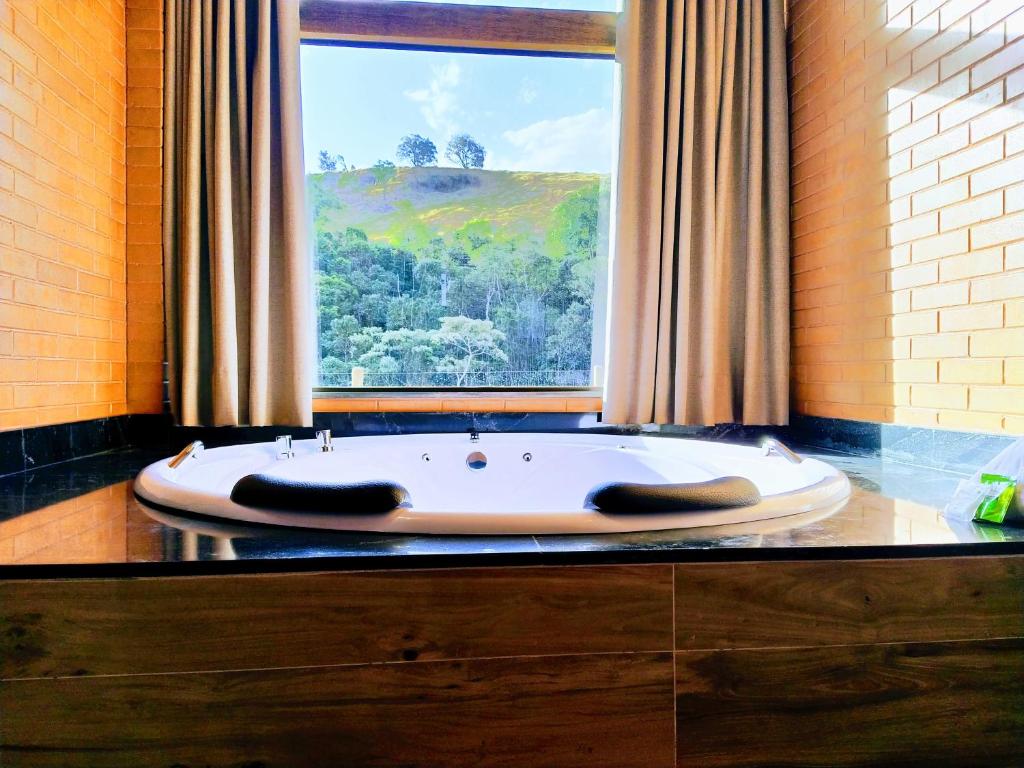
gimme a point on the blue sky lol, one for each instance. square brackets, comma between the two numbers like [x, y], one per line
[530, 113]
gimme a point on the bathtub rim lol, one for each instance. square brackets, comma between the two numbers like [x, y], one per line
[153, 487]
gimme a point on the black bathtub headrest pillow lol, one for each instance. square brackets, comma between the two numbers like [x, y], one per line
[368, 497]
[639, 499]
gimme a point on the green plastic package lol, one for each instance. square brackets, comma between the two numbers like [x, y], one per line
[997, 504]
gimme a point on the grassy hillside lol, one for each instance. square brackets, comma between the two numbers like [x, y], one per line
[410, 206]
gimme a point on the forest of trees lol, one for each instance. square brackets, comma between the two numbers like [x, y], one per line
[477, 307]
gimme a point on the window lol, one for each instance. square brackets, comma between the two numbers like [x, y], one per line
[459, 199]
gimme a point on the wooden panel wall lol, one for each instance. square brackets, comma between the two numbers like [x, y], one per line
[476, 712]
[941, 705]
[778, 664]
[771, 605]
[461, 402]
[306, 620]
[472, 667]
[539, 30]
[888, 663]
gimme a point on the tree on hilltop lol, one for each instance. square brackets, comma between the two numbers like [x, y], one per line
[466, 151]
[417, 150]
[382, 171]
[329, 162]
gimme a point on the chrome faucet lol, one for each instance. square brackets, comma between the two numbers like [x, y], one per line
[284, 447]
[474, 435]
[323, 438]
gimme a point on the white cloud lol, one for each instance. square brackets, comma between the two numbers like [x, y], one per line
[528, 92]
[580, 142]
[438, 101]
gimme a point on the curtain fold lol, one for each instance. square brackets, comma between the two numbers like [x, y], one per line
[699, 308]
[237, 269]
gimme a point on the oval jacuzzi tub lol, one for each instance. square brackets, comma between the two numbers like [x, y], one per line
[510, 483]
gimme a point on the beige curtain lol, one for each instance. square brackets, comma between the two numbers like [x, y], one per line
[237, 269]
[699, 315]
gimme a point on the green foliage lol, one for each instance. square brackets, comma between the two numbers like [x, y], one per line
[466, 151]
[463, 288]
[568, 346]
[383, 171]
[417, 150]
[471, 346]
[475, 234]
[322, 200]
[412, 351]
[574, 230]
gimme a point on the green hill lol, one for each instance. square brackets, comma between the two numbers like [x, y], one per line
[410, 206]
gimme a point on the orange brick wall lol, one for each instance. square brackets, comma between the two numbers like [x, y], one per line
[145, 277]
[907, 122]
[62, 211]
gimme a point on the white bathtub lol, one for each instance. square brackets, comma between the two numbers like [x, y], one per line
[531, 483]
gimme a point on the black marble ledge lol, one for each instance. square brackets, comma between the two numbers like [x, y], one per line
[25, 492]
[892, 514]
[903, 476]
[160, 433]
[35, 447]
[921, 446]
[31, 448]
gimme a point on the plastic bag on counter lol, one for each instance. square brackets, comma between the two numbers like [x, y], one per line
[995, 493]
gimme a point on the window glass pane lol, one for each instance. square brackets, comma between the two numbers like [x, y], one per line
[459, 205]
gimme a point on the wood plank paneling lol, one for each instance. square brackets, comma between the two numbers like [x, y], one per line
[939, 705]
[757, 605]
[565, 711]
[461, 403]
[460, 26]
[92, 627]
[783, 665]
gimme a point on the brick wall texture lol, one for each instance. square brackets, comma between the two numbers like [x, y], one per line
[145, 277]
[908, 211]
[81, 324]
[62, 211]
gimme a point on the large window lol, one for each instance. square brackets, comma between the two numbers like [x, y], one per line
[459, 207]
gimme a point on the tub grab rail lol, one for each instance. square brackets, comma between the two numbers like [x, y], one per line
[773, 447]
[191, 451]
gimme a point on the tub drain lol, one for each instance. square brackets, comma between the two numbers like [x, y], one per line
[476, 460]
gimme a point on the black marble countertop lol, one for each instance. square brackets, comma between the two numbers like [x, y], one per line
[81, 519]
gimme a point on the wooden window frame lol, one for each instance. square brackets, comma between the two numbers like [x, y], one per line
[451, 26]
[460, 28]
[469, 400]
